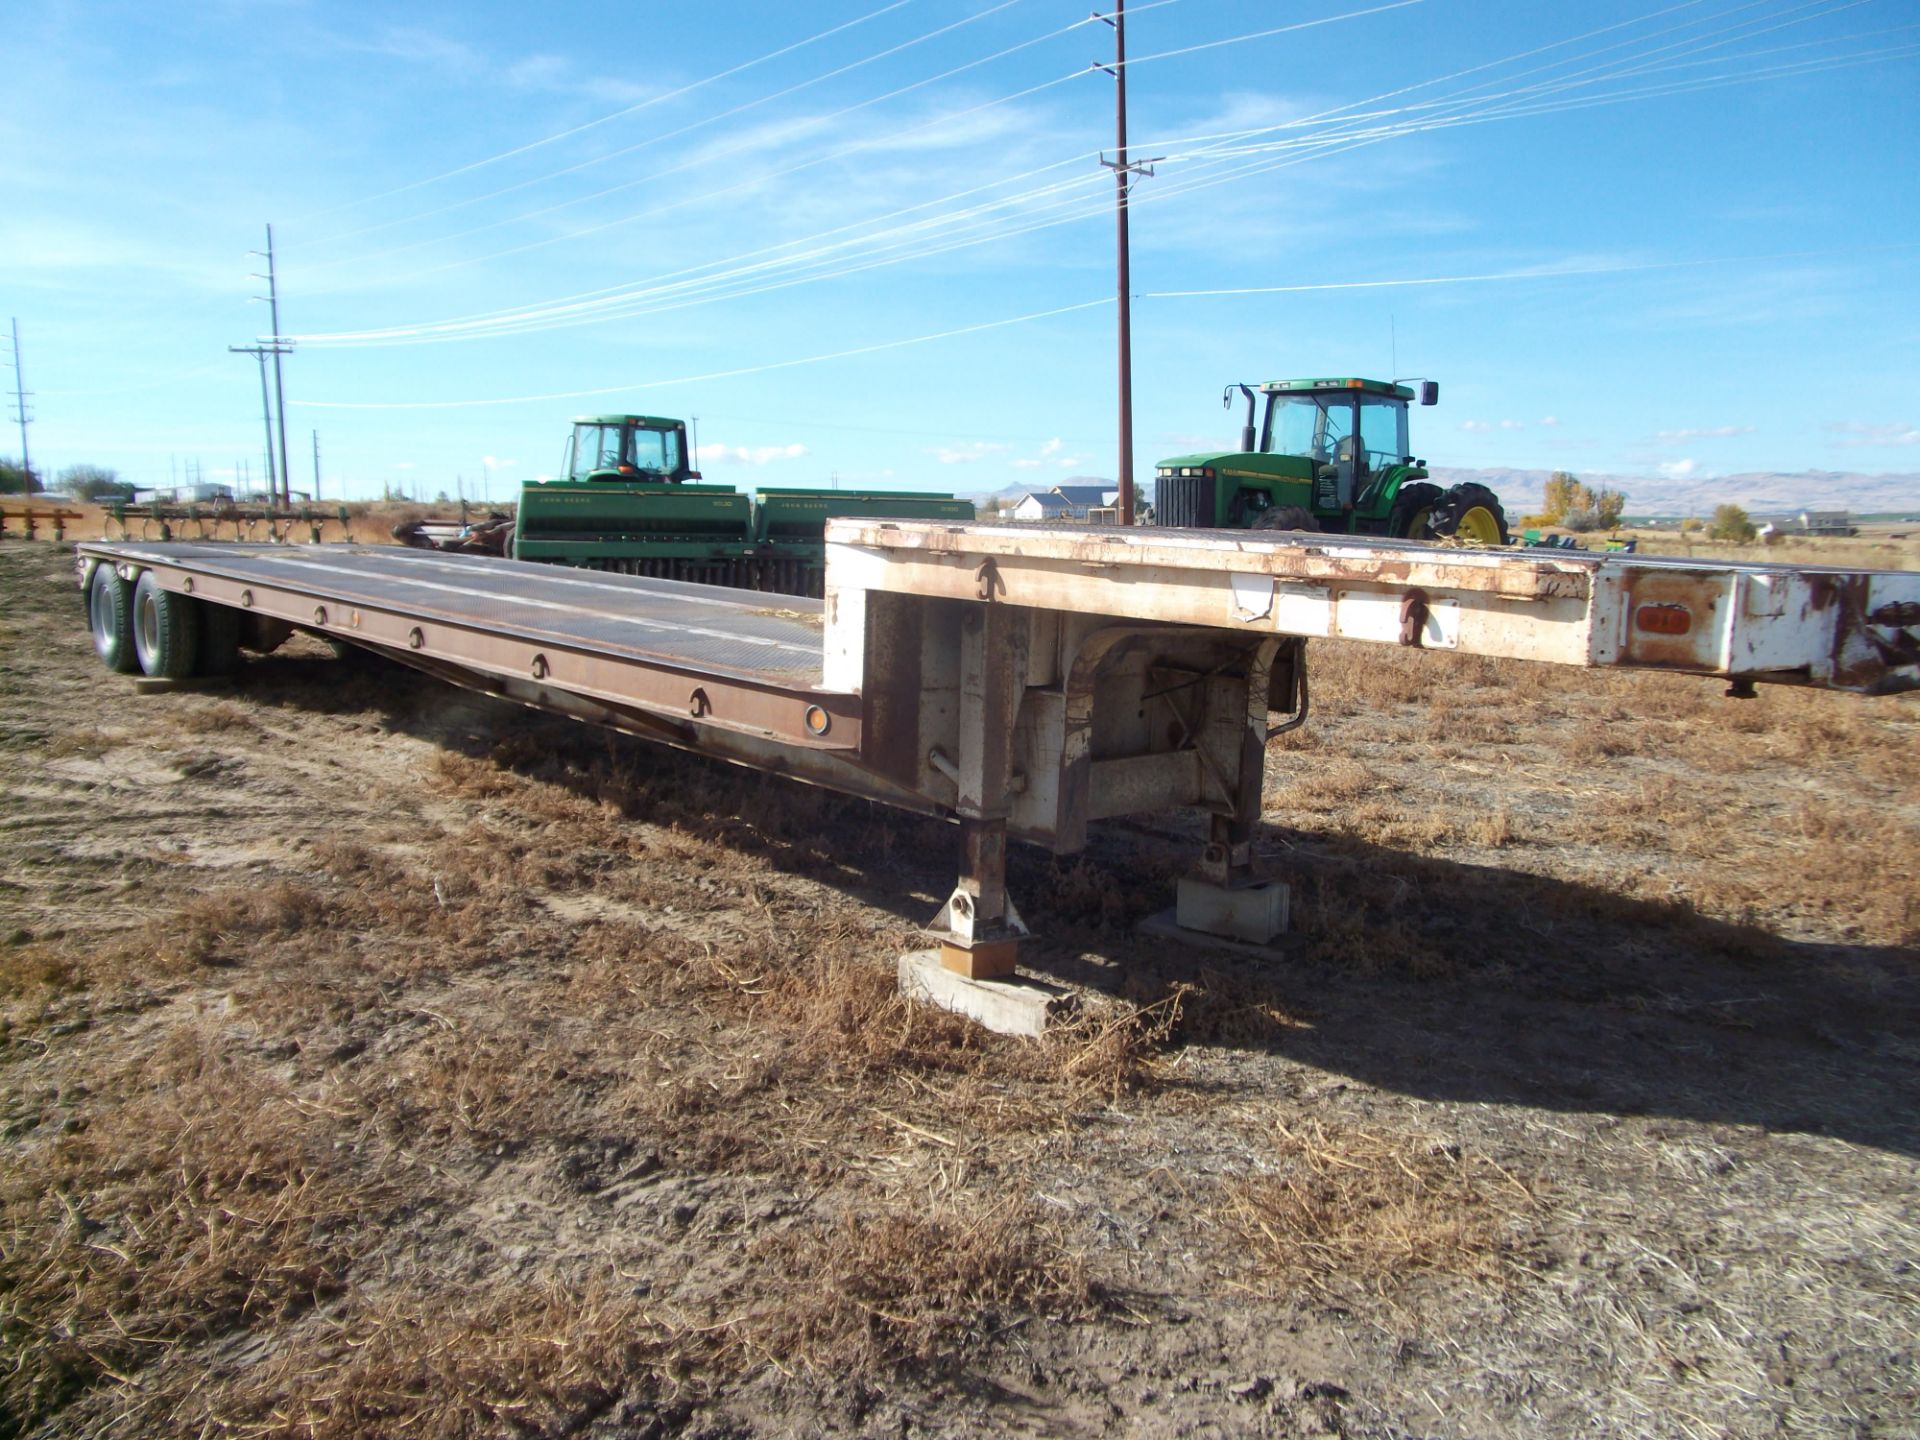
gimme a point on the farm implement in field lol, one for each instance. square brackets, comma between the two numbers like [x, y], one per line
[627, 501]
[267, 522]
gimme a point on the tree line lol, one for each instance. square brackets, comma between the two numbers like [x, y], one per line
[81, 482]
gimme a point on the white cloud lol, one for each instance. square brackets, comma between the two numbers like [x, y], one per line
[1859, 433]
[749, 454]
[1475, 425]
[1709, 432]
[1026, 464]
[1679, 469]
[1053, 447]
[968, 452]
[405, 465]
[1550, 421]
[1513, 424]
[494, 462]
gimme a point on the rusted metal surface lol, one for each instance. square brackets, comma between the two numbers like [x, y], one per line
[1821, 626]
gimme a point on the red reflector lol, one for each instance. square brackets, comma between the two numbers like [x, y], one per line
[1664, 619]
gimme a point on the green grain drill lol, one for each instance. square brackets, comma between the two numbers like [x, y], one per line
[627, 500]
[1327, 455]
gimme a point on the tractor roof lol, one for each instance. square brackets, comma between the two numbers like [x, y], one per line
[649, 422]
[1371, 387]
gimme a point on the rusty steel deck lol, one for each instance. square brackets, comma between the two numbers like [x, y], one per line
[1826, 626]
[729, 659]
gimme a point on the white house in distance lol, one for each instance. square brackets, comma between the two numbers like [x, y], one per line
[1065, 503]
[1827, 522]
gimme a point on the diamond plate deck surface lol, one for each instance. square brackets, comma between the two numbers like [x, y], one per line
[774, 639]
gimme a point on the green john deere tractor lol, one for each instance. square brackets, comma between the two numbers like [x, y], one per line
[626, 500]
[1327, 455]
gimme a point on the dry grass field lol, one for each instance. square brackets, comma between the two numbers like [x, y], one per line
[377, 1059]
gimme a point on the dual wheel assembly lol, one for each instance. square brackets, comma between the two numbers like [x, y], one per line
[141, 628]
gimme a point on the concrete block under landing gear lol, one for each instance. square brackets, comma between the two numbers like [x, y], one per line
[1008, 1007]
[1251, 914]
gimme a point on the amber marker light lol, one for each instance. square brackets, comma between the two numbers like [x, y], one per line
[1664, 619]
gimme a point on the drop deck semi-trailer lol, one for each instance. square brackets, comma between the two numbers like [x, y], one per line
[1021, 682]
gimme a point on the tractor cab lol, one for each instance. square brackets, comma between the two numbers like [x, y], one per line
[627, 449]
[1353, 431]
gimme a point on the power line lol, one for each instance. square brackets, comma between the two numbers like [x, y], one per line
[713, 375]
[618, 303]
[1509, 276]
[616, 115]
[706, 158]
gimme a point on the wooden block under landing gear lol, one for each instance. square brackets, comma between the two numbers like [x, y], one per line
[1009, 1007]
[990, 960]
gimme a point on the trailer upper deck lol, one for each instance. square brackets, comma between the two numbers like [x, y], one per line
[1827, 626]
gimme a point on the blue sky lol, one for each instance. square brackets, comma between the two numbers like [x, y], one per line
[871, 239]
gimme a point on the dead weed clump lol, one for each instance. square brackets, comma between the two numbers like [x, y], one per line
[868, 1293]
[215, 929]
[546, 1361]
[1347, 1209]
[201, 1201]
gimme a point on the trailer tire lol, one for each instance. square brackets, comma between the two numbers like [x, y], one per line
[166, 632]
[219, 638]
[1472, 512]
[1412, 515]
[110, 617]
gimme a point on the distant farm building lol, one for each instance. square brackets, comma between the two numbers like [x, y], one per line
[195, 494]
[1066, 503]
[1827, 522]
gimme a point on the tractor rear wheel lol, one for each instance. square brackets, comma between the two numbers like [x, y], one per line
[1411, 517]
[1471, 512]
[1288, 517]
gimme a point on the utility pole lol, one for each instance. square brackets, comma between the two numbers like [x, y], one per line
[316, 465]
[277, 347]
[20, 397]
[1123, 173]
[260, 353]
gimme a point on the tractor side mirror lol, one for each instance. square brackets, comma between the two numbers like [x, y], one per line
[1429, 392]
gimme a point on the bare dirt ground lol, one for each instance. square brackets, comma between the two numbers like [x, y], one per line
[380, 1060]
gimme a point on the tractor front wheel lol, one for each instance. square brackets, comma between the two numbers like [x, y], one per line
[1471, 512]
[1287, 517]
[1412, 515]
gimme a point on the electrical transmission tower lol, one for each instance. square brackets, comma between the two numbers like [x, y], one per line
[20, 411]
[260, 353]
[275, 346]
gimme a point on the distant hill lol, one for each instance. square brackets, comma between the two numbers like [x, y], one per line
[1521, 490]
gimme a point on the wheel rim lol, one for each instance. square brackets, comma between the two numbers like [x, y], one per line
[1420, 524]
[1479, 525]
[102, 617]
[149, 624]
